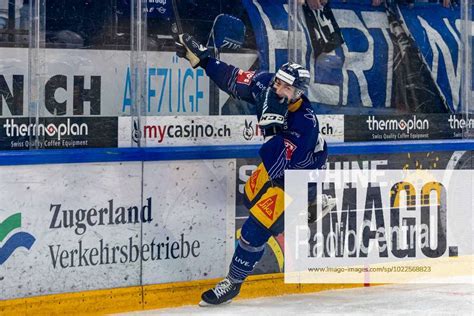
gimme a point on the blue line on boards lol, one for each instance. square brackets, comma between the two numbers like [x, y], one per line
[87, 155]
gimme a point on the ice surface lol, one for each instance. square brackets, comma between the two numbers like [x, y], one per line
[414, 299]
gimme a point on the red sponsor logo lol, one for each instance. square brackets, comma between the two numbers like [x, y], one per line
[290, 149]
[245, 77]
[267, 206]
[253, 180]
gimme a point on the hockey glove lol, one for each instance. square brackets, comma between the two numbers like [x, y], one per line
[274, 111]
[188, 47]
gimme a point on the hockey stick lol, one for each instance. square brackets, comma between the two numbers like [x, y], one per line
[176, 27]
[227, 32]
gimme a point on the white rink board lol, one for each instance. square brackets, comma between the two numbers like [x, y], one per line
[197, 200]
[31, 190]
[211, 130]
[191, 130]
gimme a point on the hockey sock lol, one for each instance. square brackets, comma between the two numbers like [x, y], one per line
[249, 250]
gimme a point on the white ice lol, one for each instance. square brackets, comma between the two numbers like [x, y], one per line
[397, 299]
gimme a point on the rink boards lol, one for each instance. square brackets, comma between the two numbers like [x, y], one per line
[171, 230]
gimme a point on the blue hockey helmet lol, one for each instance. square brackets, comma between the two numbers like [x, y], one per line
[294, 74]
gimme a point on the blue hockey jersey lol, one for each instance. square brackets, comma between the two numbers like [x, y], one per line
[299, 145]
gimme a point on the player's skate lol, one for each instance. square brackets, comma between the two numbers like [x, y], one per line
[327, 204]
[222, 293]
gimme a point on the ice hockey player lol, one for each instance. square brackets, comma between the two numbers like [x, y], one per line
[291, 141]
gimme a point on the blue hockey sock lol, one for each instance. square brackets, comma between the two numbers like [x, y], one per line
[249, 250]
[244, 260]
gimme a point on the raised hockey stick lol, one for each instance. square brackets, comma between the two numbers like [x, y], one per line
[176, 27]
[227, 32]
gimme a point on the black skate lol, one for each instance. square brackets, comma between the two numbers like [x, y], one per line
[223, 293]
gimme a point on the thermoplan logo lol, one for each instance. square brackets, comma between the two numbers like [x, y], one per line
[19, 239]
[13, 129]
[407, 126]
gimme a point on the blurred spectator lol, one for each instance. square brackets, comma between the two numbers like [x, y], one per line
[4, 13]
[324, 32]
[76, 22]
[444, 3]
[314, 4]
[197, 17]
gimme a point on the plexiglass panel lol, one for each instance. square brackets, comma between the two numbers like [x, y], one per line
[403, 71]
[391, 71]
[467, 68]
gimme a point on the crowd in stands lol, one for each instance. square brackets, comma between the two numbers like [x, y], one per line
[106, 23]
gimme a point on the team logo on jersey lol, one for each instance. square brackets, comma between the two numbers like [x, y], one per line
[289, 149]
[310, 116]
[245, 77]
[253, 180]
[267, 206]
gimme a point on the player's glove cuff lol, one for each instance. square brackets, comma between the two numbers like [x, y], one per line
[188, 47]
[271, 120]
[269, 132]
